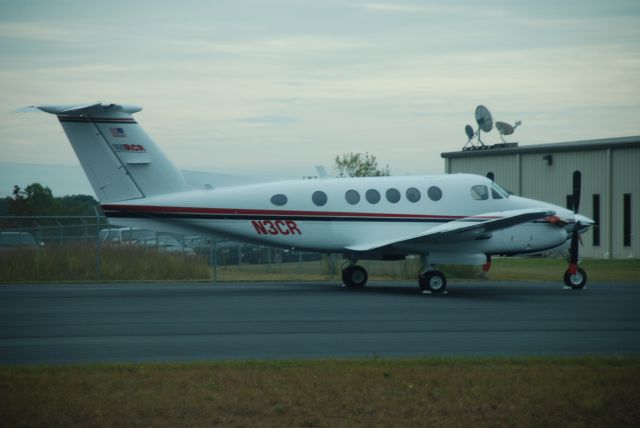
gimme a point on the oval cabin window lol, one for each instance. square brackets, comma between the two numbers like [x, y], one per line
[393, 195]
[434, 193]
[373, 196]
[279, 199]
[352, 197]
[319, 198]
[413, 194]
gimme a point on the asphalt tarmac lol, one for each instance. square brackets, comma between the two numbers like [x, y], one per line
[83, 323]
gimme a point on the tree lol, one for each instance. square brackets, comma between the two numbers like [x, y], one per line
[359, 165]
[33, 200]
[36, 199]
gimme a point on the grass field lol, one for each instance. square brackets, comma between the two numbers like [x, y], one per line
[78, 263]
[523, 392]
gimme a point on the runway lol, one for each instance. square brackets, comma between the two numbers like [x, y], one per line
[71, 323]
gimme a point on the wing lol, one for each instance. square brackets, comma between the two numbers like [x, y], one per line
[464, 229]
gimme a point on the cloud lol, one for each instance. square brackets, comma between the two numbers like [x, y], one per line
[396, 79]
[393, 7]
[407, 8]
[36, 31]
[289, 46]
[271, 119]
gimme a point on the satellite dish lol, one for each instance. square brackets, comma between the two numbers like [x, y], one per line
[469, 130]
[506, 129]
[484, 119]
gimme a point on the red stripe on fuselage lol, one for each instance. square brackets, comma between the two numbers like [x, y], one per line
[284, 213]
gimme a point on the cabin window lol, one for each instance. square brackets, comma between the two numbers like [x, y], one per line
[502, 193]
[373, 196]
[434, 193]
[319, 198]
[479, 192]
[279, 199]
[413, 194]
[352, 197]
[393, 195]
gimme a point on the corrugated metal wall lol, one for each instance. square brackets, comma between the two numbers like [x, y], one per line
[553, 183]
[626, 179]
[609, 173]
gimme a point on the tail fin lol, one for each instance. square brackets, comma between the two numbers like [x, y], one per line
[121, 161]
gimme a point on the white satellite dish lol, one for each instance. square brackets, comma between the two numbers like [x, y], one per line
[506, 129]
[484, 119]
[469, 131]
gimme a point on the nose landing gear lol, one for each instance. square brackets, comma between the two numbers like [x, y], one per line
[576, 279]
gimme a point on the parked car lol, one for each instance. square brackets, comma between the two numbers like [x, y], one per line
[289, 255]
[167, 244]
[13, 240]
[125, 235]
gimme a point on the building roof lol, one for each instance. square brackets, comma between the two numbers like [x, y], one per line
[572, 146]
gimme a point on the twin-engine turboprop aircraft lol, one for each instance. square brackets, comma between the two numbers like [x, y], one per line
[454, 219]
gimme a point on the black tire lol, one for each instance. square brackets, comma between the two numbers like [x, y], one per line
[354, 276]
[433, 281]
[576, 281]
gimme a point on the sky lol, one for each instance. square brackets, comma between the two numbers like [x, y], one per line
[276, 87]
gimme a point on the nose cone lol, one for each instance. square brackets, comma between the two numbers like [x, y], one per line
[583, 219]
[583, 222]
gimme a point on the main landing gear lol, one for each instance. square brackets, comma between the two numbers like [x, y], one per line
[430, 280]
[433, 281]
[354, 276]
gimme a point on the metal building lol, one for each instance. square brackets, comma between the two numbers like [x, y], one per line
[610, 170]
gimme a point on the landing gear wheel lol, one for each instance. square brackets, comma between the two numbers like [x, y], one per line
[354, 276]
[433, 281]
[577, 280]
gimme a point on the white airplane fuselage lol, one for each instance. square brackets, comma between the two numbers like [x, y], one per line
[247, 213]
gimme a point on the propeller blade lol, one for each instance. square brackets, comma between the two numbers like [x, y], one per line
[577, 181]
[573, 251]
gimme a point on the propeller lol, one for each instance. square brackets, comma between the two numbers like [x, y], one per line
[577, 179]
[575, 236]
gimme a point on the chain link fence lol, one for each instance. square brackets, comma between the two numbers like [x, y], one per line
[58, 239]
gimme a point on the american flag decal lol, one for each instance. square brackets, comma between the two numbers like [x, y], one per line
[117, 132]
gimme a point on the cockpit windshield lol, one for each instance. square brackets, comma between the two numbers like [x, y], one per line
[498, 192]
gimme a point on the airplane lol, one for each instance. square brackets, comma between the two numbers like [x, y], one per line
[444, 219]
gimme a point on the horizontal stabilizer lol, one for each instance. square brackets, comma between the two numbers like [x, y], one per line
[80, 109]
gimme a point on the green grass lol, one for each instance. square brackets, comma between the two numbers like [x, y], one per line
[523, 392]
[78, 263]
[552, 269]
